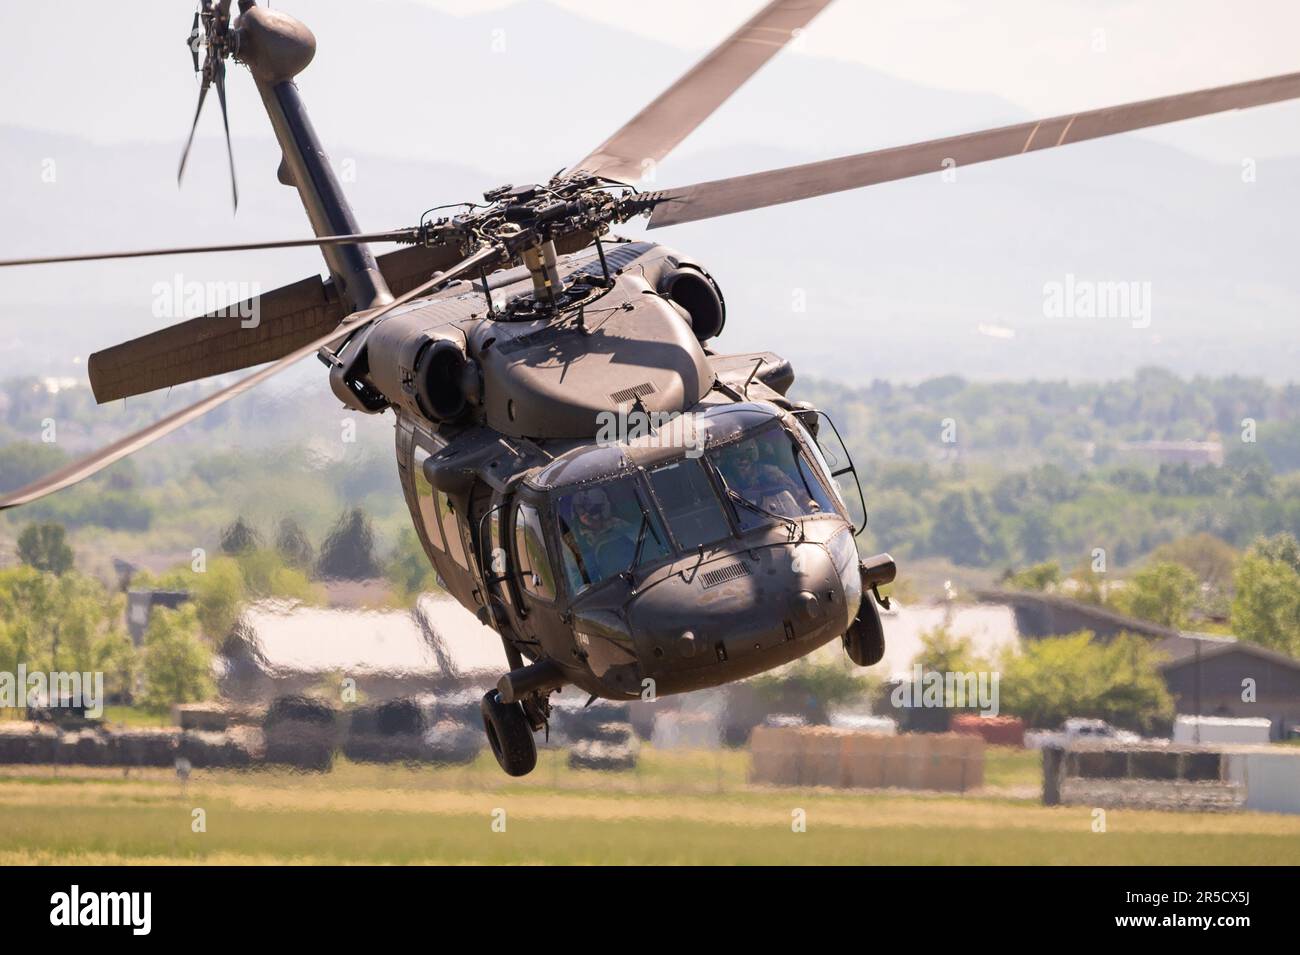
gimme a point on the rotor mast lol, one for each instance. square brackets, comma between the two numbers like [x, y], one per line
[544, 267]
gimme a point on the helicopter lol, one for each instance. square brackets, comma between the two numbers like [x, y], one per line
[635, 513]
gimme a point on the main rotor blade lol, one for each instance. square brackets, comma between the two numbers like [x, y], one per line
[397, 235]
[220, 74]
[724, 196]
[253, 332]
[650, 135]
[484, 258]
[185, 155]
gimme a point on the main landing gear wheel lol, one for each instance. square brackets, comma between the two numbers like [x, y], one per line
[509, 734]
[865, 640]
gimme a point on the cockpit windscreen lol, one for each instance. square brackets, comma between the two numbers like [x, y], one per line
[771, 478]
[604, 531]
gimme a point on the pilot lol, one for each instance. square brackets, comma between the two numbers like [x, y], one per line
[763, 484]
[605, 541]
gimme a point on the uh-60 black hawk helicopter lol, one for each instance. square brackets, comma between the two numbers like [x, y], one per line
[514, 338]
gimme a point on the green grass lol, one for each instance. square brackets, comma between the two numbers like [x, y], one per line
[133, 716]
[123, 833]
[1012, 767]
[676, 808]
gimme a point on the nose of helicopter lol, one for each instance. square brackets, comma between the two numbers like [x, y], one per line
[740, 614]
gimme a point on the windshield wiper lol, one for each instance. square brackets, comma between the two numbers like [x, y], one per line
[759, 509]
[646, 525]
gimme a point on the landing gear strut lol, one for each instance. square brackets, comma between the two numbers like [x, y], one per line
[865, 640]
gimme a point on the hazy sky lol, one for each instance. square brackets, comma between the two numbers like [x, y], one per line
[866, 74]
[1049, 56]
[1045, 56]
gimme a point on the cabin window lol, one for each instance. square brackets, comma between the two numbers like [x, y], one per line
[425, 496]
[438, 513]
[535, 575]
[447, 516]
[605, 531]
[496, 549]
[689, 504]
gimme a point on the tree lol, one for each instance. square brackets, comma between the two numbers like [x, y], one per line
[349, 550]
[267, 575]
[1266, 609]
[239, 537]
[1055, 678]
[1283, 548]
[1086, 584]
[218, 594]
[812, 688]
[1210, 558]
[1036, 536]
[24, 461]
[942, 651]
[45, 547]
[27, 603]
[177, 663]
[1162, 593]
[408, 568]
[1037, 578]
[962, 530]
[64, 623]
[292, 544]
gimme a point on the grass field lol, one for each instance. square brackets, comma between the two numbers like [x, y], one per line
[676, 808]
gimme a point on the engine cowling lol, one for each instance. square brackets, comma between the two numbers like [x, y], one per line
[693, 290]
[425, 370]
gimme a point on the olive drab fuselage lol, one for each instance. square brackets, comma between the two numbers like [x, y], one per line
[623, 397]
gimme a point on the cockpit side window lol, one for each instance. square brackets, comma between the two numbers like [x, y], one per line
[535, 574]
[829, 457]
[770, 479]
[605, 530]
[827, 501]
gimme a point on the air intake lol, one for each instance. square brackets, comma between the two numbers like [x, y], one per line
[723, 574]
[633, 393]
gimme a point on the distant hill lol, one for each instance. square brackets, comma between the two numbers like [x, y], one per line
[902, 282]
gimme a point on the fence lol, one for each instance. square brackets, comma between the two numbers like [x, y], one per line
[1175, 776]
[822, 756]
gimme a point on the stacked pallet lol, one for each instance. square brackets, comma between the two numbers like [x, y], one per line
[41, 743]
[847, 759]
[994, 730]
[28, 742]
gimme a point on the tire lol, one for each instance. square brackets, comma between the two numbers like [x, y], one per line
[865, 641]
[508, 734]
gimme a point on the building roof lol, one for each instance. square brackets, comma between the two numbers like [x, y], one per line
[990, 629]
[1094, 617]
[437, 638]
[1182, 650]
